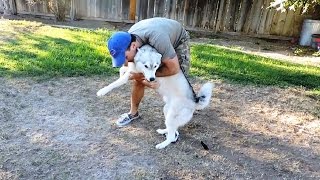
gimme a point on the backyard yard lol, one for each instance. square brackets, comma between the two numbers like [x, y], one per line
[263, 121]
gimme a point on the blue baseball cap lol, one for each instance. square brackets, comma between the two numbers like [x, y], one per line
[117, 45]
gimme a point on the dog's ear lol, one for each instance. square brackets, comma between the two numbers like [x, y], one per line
[137, 56]
[158, 55]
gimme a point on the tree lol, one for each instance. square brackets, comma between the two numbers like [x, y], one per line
[293, 4]
[57, 7]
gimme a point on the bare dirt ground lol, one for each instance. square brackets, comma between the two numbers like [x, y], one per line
[59, 129]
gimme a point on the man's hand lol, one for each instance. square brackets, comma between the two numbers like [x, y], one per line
[153, 84]
[140, 77]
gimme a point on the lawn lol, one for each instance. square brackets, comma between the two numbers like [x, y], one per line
[33, 49]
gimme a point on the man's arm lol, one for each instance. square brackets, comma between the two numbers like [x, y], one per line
[169, 67]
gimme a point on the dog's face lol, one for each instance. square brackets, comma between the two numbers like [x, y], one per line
[147, 61]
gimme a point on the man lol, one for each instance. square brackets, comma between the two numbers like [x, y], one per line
[168, 37]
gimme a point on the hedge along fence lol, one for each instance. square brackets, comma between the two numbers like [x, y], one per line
[249, 17]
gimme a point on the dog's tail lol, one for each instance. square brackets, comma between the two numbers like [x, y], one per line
[204, 96]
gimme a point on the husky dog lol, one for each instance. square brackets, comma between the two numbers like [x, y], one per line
[178, 95]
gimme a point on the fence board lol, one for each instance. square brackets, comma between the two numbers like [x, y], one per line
[191, 13]
[158, 8]
[168, 8]
[268, 22]
[215, 9]
[278, 22]
[207, 17]
[124, 9]
[234, 14]
[132, 10]
[288, 23]
[243, 16]
[264, 14]
[173, 10]
[219, 18]
[226, 18]
[256, 17]
[250, 11]
[1, 7]
[142, 9]
[297, 22]
[196, 13]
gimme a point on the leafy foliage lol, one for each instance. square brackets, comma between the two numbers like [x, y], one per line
[57, 7]
[293, 4]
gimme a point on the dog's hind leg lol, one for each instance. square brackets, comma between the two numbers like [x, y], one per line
[165, 112]
[162, 131]
[174, 120]
[170, 138]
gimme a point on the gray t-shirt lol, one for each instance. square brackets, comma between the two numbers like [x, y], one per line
[161, 33]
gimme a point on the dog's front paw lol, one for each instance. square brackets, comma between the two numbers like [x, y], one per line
[100, 93]
[103, 91]
[163, 144]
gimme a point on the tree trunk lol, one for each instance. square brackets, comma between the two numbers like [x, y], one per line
[58, 7]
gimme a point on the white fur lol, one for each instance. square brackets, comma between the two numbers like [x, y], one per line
[124, 77]
[175, 90]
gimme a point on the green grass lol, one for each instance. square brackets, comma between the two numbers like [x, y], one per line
[32, 49]
[210, 61]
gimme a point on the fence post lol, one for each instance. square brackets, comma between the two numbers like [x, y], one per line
[132, 11]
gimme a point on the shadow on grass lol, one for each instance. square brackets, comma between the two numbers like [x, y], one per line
[210, 61]
[34, 55]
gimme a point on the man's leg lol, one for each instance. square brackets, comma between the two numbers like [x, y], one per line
[137, 94]
[183, 53]
[136, 97]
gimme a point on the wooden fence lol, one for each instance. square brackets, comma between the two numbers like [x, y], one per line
[251, 17]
